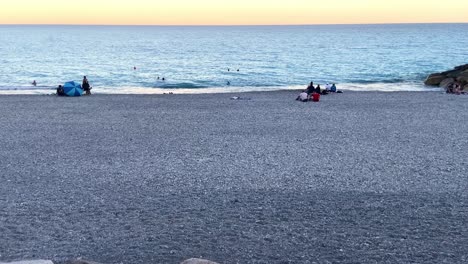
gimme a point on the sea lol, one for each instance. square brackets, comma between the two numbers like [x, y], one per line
[217, 59]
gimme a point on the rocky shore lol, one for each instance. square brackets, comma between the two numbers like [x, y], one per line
[445, 79]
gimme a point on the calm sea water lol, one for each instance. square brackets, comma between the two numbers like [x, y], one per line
[197, 59]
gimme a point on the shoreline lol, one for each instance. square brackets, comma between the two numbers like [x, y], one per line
[192, 92]
[362, 87]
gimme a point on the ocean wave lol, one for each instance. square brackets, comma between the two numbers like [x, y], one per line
[183, 85]
[367, 81]
[26, 88]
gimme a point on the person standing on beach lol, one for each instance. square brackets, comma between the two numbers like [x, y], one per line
[85, 86]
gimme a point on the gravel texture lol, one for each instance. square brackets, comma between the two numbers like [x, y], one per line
[360, 177]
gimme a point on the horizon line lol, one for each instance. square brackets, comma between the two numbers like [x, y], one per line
[237, 25]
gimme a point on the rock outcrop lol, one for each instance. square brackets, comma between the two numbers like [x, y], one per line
[444, 79]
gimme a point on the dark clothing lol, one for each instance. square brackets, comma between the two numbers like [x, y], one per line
[86, 86]
[310, 89]
[317, 90]
[60, 91]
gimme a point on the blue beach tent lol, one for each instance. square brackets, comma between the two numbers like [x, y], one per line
[72, 89]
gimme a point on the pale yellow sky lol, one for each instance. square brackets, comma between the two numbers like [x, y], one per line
[231, 12]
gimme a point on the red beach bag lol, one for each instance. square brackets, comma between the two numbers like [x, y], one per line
[315, 97]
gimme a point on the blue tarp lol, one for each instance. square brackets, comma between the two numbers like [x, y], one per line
[72, 89]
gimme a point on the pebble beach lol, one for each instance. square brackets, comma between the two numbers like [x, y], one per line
[359, 177]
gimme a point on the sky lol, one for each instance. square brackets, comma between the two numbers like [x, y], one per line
[231, 12]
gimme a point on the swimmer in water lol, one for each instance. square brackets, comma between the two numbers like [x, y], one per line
[34, 83]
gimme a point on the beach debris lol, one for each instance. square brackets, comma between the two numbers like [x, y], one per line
[239, 98]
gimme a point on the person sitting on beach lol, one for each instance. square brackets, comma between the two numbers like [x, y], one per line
[333, 88]
[310, 88]
[60, 91]
[456, 88]
[450, 88]
[85, 86]
[327, 87]
[303, 97]
[318, 89]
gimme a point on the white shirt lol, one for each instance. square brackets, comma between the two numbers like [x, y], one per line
[328, 86]
[303, 96]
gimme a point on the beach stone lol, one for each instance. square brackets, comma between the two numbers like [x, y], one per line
[462, 67]
[453, 73]
[39, 261]
[463, 77]
[434, 79]
[446, 82]
[197, 261]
